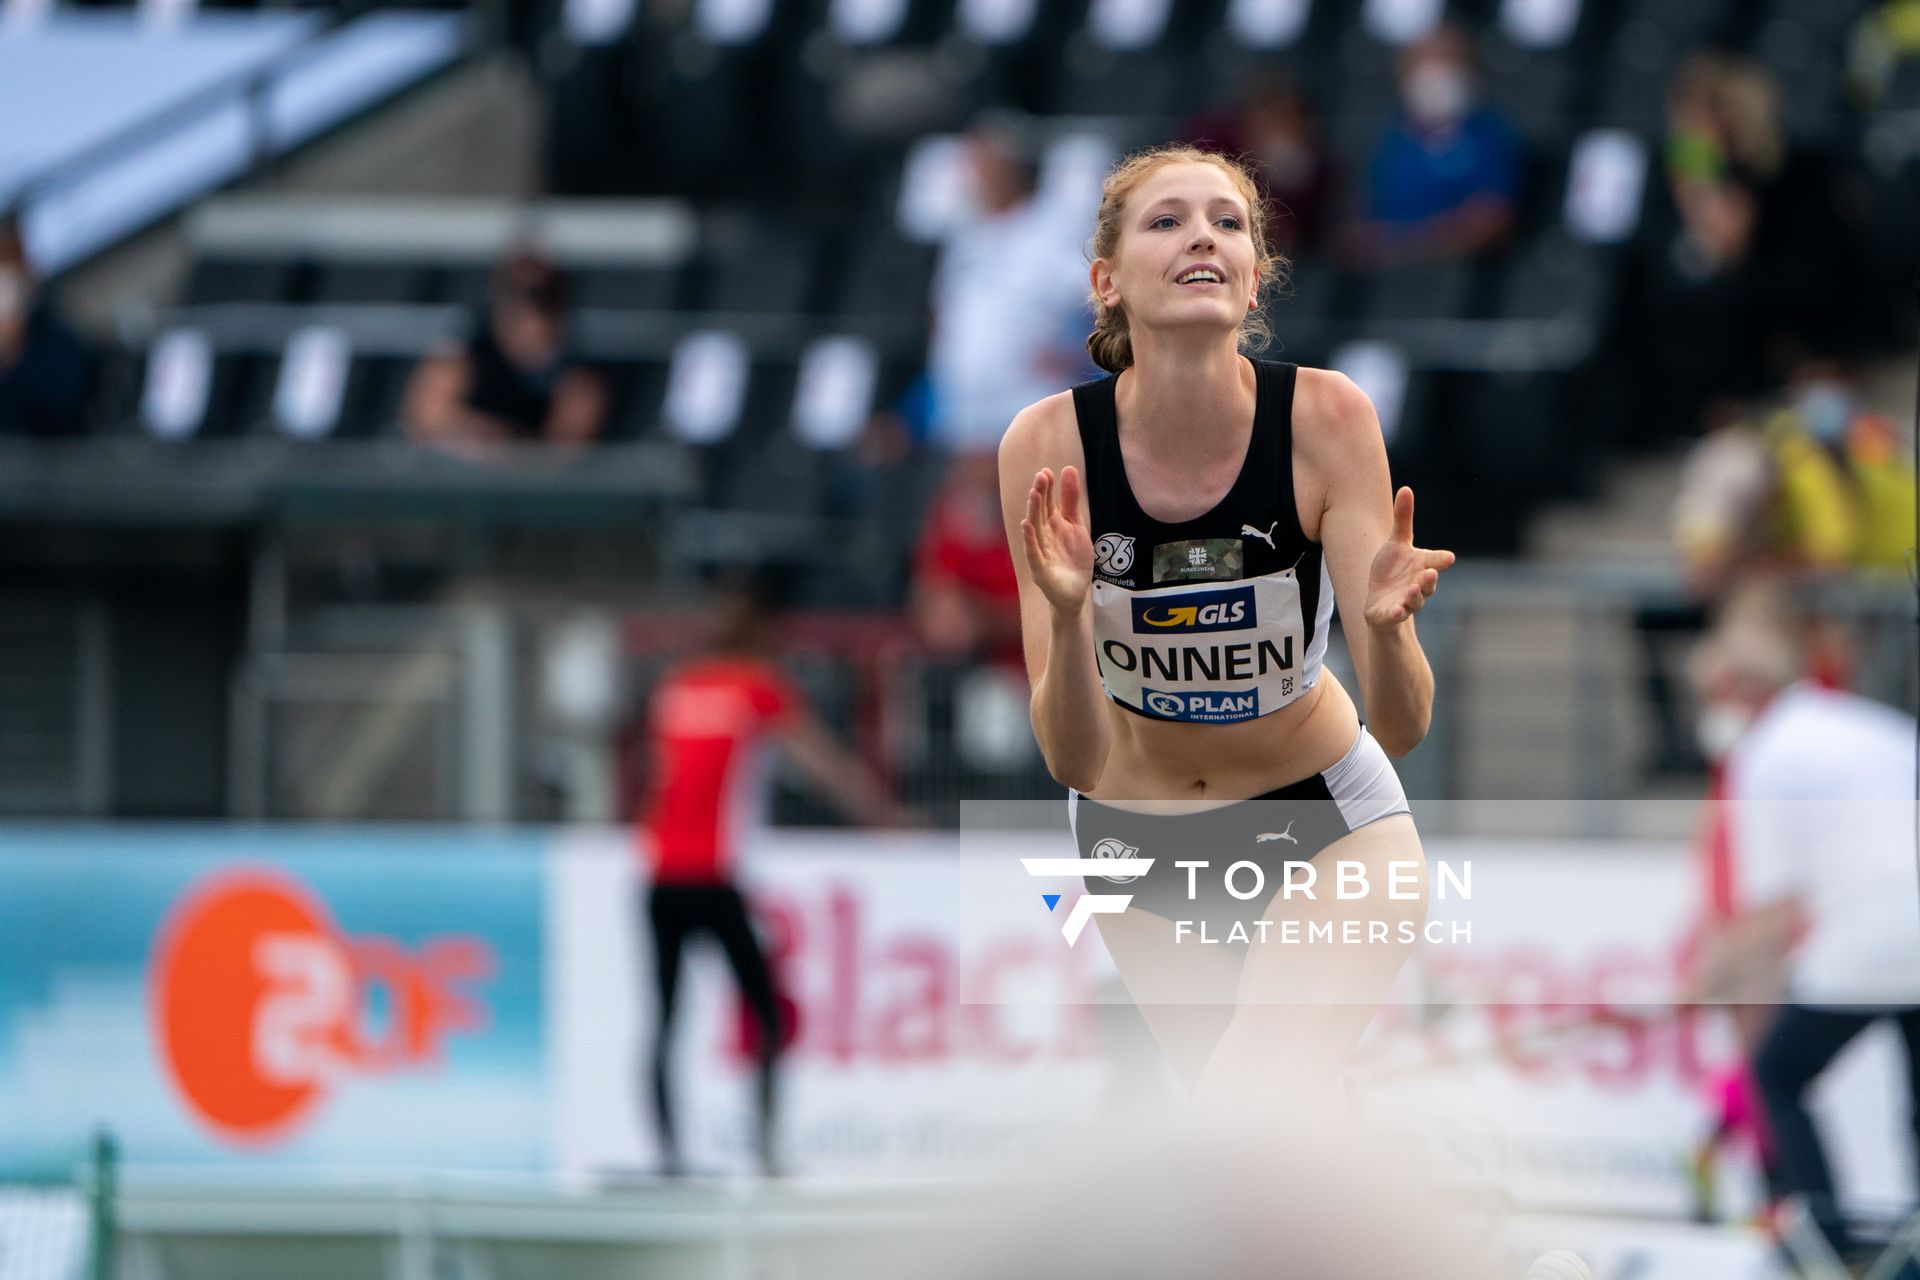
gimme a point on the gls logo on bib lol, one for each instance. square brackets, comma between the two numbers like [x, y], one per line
[1230, 609]
[1208, 706]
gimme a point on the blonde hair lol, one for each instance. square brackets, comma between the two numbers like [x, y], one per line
[1745, 103]
[1110, 344]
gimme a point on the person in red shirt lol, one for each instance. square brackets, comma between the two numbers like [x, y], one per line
[965, 597]
[711, 725]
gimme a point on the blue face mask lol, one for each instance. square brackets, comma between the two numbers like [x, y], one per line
[1825, 409]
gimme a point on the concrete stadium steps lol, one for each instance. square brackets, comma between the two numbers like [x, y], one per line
[1541, 691]
[1631, 523]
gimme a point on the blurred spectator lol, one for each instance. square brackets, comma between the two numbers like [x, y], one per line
[1884, 47]
[1750, 247]
[1009, 299]
[45, 369]
[514, 379]
[1819, 789]
[1275, 127]
[1445, 177]
[1843, 492]
[964, 595]
[1819, 483]
[710, 722]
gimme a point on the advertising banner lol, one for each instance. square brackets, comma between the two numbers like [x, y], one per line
[888, 1070]
[344, 1001]
[313, 999]
[940, 1017]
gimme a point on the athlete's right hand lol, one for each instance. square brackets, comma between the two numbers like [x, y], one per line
[1059, 548]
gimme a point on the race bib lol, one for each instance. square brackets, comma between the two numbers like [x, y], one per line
[1204, 652]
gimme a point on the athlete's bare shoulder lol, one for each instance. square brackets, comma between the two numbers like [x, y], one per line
[1327, 403]
[1044, 434]
[1333, 420]
[1337, 446]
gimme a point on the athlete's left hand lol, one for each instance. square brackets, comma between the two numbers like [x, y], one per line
[1403, 575]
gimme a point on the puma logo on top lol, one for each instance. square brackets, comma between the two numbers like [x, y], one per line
[1248, 531]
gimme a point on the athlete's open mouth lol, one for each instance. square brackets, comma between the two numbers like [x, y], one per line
[1199, 275]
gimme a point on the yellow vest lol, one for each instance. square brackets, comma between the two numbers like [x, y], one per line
[1851, 511]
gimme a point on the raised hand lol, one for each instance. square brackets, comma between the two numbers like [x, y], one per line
[1403, 575]
[1059, 548]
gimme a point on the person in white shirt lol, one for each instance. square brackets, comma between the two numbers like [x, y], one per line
[1820, 786]
[1009, 298]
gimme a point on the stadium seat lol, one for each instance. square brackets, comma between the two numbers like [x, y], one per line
[834, 391]
[596, 22]
[174, 376]
[1361, 100]
[1605, 192]
[636, 393]
[1093, 80]
[309, 383]
[1420, 291]
[212, 280]
[464, 285]
[376, 282]
[1534, 88]
[1640, 64]
[1308, 295]
[996, 22]
[1556, 277]
[706, 115]
[1540, 24]
[1805, 60]
[1400, 22]
[237, 389]
[864, 23]
[884, 276]
[732, 22]
[746, 264]
[628, 288]
[778, 475]
[706, 391]
[1691, 23]
[818, 158]
[742, 468]
[1515, 435]
[370, 403]
[1266, 26]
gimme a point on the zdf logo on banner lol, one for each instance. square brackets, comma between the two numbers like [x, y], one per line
[261, 1006]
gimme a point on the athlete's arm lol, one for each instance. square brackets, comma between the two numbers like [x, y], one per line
[1044, 503]
[1380, 579]
[434, 405]
[836, 773]
[579, 405]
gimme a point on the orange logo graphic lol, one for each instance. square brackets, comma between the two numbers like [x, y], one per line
[260, 1004]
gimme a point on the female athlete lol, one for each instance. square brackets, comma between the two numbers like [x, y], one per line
[1182, 531]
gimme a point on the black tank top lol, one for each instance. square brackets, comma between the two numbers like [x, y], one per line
[1215, 619]
[522, 398]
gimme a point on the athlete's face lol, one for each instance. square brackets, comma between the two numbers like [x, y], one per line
[1185, 255]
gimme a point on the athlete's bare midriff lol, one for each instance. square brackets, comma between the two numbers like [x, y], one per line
[1150, 760]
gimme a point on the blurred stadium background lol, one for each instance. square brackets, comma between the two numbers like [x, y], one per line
[257, 610]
